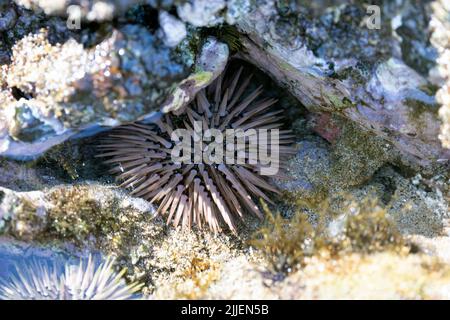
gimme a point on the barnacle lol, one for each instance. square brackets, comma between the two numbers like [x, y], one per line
[88, 280]
[207, 191]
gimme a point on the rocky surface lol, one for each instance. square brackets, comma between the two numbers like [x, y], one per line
[366, 201]
[363, 77]
[440, 24]
[89, 10]
[57, 83]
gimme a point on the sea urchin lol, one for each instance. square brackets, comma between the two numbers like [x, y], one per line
[88, 280]
[208, 191]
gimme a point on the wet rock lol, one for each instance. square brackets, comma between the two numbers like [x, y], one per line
[391, 277]
[201, 13]
[13, 252]
[72, 83]
[62, 75]
[19, 177]
[70, 88]
[305, 51]
[24, 216]
[397, 82]
[241, 279]
[309, 170]
[74, 213]
[410, 23]
[357, 165]
[8, 16]
[444, 113]
[356, 156]
[90, 10]
[5, 54]
[199, 258]
[29, 124]
[398, 277]
[440, 25]
[29, 21]
[174, 31]
[416, 208]
[349, 158]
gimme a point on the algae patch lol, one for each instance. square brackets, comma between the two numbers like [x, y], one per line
[358, 227]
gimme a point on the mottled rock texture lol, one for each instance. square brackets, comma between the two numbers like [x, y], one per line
[56, 82]
[440, 25]
[91, 10]
[333, 62]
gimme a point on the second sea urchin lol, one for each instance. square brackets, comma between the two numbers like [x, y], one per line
[88, 280]
[200, 193]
